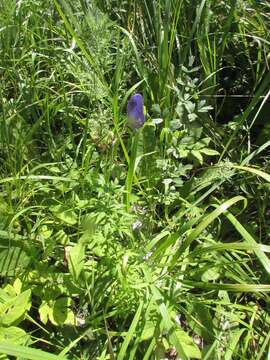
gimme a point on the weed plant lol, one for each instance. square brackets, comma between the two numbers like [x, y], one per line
[134, 244]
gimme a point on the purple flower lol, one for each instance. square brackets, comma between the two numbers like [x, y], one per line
[135, 112]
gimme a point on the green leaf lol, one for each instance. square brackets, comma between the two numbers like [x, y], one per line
[190, 106]
[75, 257]
[13, 335]
[201, 321]
[205, 109]
[209, 152]
[61, 237]
[183, 153]
[210, 274]
[166, 315]
[229, 287]
[234, 341]
[61, 313]
[255, 171]
[14, 309]
[65, 214]
[45, 232]
[57, 311]
[148, 330]
[44, 311]
[197, 155]
[189, 347]
[157, 121]
[192, 117]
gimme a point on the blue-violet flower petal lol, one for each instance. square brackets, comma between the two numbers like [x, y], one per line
[135, 111]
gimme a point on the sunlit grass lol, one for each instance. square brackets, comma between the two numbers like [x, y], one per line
[123, 244]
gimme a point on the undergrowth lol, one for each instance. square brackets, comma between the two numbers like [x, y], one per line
[134, 244]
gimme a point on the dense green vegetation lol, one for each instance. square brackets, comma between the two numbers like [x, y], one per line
[134, 244]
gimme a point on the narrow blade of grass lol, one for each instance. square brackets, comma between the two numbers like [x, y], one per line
[27, 352]
[204, 223]
[130, 333]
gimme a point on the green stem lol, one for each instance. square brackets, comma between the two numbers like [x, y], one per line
[131, 168]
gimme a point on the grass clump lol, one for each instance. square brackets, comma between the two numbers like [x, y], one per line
[134, 244]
